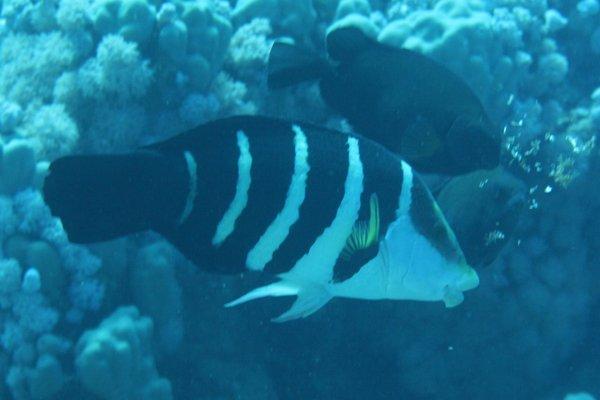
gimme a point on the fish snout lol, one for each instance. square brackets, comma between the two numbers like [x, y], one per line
[469, 280]
[453, 293]
[473, 145]
[490, 153]
[483, 149]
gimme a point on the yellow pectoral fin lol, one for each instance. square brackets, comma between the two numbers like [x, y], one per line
[373, 236]
[364, 234]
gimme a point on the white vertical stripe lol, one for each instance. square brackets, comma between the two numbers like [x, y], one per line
[192, 168]
[279, 229]
[405, 193]
[227, 223]
[316, 266]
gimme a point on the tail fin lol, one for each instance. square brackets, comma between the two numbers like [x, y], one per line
[290, 65]
[102, 197]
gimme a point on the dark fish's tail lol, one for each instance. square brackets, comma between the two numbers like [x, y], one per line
[290, 65]
[102, 197]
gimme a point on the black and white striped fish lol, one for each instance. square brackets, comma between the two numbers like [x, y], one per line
[329, 214]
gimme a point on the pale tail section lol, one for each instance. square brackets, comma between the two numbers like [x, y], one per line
[311, 297]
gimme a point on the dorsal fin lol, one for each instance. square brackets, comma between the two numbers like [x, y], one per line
[344, 43]
[290, 65]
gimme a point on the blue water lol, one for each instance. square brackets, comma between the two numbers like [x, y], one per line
[92, 76]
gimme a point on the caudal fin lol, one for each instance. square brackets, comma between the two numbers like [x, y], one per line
[290, 65]
[102, 197]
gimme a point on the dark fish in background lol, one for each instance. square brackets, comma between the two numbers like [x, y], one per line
[399, 98]
[483, 208]
[329, 214]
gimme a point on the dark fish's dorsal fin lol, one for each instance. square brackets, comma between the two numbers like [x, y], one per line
[345, 43]
[290, 65]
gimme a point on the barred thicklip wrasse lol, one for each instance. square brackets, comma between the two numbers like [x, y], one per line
[327, 214]
[402, 99]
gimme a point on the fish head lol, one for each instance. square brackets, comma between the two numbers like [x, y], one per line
[473, 143]
[483, 208]
[422, 258]
[418, 271]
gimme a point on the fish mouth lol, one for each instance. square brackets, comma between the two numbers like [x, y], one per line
[469, 281]
[452, 296]
[489, 162]
[486, 153]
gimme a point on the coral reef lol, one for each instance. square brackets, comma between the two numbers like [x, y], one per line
[290, 17]
[115, 361]
[157, 293]
[44, 378]
[39, 267]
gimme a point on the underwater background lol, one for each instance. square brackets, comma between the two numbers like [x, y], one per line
[132, 319]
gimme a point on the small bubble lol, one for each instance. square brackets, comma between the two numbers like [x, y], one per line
[533, 204]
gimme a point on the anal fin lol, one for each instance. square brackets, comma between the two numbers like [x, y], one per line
[310, 298]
